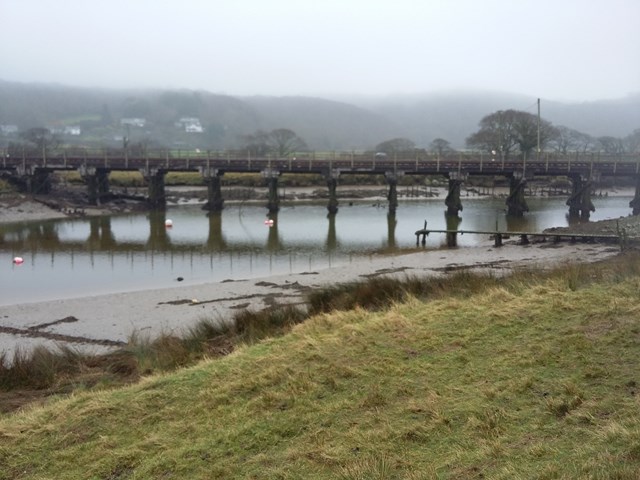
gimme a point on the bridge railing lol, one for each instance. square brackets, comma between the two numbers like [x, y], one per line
[414, 160]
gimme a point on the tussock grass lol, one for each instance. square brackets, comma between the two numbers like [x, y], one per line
[64, 369]
[534, 376]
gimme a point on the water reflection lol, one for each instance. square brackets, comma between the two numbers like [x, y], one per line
[215, 240]
[332, 238]
[72, 257]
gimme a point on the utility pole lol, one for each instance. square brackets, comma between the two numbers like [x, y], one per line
[538, 154]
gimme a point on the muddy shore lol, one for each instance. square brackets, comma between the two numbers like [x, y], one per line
[101, 323]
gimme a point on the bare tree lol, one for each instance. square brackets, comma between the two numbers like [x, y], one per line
[569, 140]
[284, 142]
[281, 141]
[504, 130]
[40, 138]
[632, 141]
[257, 144]
[611, 145]
[396, 145]
[440, 146]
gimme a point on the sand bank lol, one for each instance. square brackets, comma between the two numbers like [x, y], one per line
[103, 322]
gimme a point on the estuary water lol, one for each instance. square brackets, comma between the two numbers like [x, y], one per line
[90, 256]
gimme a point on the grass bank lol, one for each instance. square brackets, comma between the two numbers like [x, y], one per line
[532, 377]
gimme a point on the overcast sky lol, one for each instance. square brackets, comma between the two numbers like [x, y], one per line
[574, 50]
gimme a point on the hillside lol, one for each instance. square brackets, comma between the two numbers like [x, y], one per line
[535, 377]
[340, 124]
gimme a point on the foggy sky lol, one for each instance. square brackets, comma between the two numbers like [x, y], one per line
[575, 50]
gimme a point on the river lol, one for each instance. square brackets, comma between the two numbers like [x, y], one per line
[90, 256]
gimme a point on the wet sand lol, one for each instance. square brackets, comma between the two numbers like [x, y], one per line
[100, 323]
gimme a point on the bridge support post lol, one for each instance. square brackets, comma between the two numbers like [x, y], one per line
[215, 202]
[392, 196]
[332, 184]
[516, 203]
[273, 200]
[580, 205]
[453, 222]
[97, 180]
[40, 182]
[155, 183]
[453, 202]
[34, 180]
[635, 202]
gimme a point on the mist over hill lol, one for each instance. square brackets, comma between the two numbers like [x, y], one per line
[341, 123]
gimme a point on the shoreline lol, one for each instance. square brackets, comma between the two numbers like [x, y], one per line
[101, 323]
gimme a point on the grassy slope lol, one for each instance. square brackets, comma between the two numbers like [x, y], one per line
[514, 382]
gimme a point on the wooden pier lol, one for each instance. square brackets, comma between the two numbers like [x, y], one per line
[499, 236]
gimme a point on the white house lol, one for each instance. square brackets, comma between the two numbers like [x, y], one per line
[134, 122]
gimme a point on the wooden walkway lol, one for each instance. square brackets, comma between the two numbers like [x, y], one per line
[498, 236]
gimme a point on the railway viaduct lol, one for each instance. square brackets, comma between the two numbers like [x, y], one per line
[33, 170]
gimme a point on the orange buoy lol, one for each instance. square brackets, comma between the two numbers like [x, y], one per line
[18, 260]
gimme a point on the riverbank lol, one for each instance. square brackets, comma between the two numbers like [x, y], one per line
[102, 323]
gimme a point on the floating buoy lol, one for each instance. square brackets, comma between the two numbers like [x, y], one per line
[168, 223]
[18, 260]
[269, 222]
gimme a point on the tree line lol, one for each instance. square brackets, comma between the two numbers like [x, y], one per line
[502, 134]
[506, 133]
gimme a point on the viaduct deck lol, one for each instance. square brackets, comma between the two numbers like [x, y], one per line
[349, 163]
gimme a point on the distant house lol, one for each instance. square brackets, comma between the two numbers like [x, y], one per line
[190, 125]
[72, 130]
[8, 129]
[134, 122]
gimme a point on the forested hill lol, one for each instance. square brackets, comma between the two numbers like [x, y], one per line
[339, 124]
